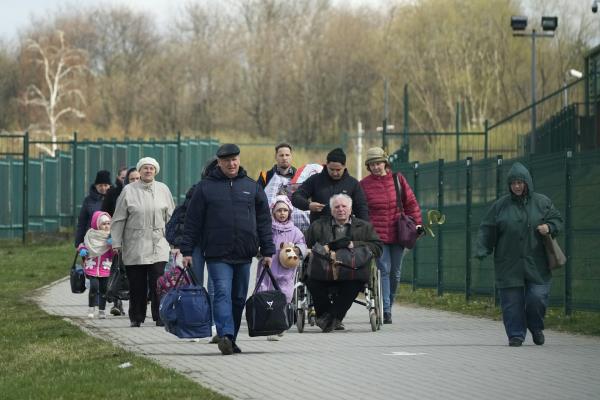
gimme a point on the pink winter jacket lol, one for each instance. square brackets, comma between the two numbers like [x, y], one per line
[97, 266]
[383, 211]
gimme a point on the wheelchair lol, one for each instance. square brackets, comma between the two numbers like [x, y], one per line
[304, 308]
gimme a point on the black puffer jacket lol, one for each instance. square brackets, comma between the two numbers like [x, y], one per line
[91, 204]
[229, 218]
[110, 199]
[320, 187]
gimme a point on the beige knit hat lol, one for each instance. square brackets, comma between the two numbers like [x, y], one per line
[149, 161]
[376, 154]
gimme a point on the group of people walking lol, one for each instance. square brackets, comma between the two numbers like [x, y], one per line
[230, 219]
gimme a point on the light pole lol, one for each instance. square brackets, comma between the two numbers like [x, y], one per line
[572, 73]
[518, 25]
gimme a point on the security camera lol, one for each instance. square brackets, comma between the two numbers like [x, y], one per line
[595, 6]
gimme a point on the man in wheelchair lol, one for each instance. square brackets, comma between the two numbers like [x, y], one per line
[343, 248]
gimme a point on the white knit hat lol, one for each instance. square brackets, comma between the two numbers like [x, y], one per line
[148, 160]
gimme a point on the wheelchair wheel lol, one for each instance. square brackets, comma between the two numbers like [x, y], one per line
[373, 320]
[300, 319]
[377, 304]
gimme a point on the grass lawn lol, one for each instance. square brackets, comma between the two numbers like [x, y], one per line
[44, 357]
[580, 322]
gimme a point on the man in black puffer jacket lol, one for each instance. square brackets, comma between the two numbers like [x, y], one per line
[315, 192]
[229, 218]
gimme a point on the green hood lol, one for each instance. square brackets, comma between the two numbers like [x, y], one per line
[519, 171]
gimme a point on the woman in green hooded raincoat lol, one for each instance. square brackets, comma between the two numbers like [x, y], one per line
[513, 230]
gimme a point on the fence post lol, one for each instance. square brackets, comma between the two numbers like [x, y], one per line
[178, 190]
[415, 277]
[25, 221]
[74, 178]
[485, 139]
[468, 260]
[440, 231]
[499, 162]
[457, 130]
[568, 234]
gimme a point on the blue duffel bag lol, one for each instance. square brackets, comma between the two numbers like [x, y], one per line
[185, 310]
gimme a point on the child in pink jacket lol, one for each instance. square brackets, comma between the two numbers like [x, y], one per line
[96, 251]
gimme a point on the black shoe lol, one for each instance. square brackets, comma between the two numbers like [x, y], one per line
[215, 339]
[236, 349]
[115, 311]
[338, 325]
[538, 337]
[226, 346]
[160, 323]
[387, 317]
[325, 322]
[515, 342]
[135, 324]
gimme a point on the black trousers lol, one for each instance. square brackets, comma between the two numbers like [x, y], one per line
[142, 285]
[98, 285]
[333, 297]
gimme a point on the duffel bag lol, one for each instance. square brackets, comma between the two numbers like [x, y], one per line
[268, 312]
[77, 277]
[172, 274]
[344, 264]
[185, 309]
[353, 264]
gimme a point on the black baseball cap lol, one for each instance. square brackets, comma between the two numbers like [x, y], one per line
[228, 150]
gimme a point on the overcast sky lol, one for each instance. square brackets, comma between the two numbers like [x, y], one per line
[16, 14]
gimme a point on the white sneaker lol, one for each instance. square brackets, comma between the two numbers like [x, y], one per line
[91, 312]
[273, 338]
[102, 314]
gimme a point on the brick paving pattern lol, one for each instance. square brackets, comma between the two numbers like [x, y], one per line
[424, 354]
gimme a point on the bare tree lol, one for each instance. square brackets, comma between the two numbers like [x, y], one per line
[59, 93]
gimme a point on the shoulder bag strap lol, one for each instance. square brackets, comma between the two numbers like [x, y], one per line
[398, 192]
[75, 260]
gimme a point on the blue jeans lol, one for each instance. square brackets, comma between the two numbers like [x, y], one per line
[390, 267]
[198, 268]
[523, 308]
[231, 288]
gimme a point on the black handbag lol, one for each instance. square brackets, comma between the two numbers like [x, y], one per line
[268, 313]
[77, 277]
[118, 284]
[353, 263]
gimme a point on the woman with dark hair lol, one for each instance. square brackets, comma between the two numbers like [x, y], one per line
[110, 199]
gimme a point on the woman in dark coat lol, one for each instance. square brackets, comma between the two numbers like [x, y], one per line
[110, 200]
[91, 204]
[513, 230]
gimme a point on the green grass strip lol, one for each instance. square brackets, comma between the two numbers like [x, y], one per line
[44, 357]
[579, 322]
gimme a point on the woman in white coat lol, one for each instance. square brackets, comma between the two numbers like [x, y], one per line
[138, 233]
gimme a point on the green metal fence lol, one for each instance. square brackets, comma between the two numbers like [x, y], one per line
[44, 193]
[464, 190]
[563, 121]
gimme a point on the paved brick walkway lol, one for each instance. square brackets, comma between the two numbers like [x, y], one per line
[425, 354]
